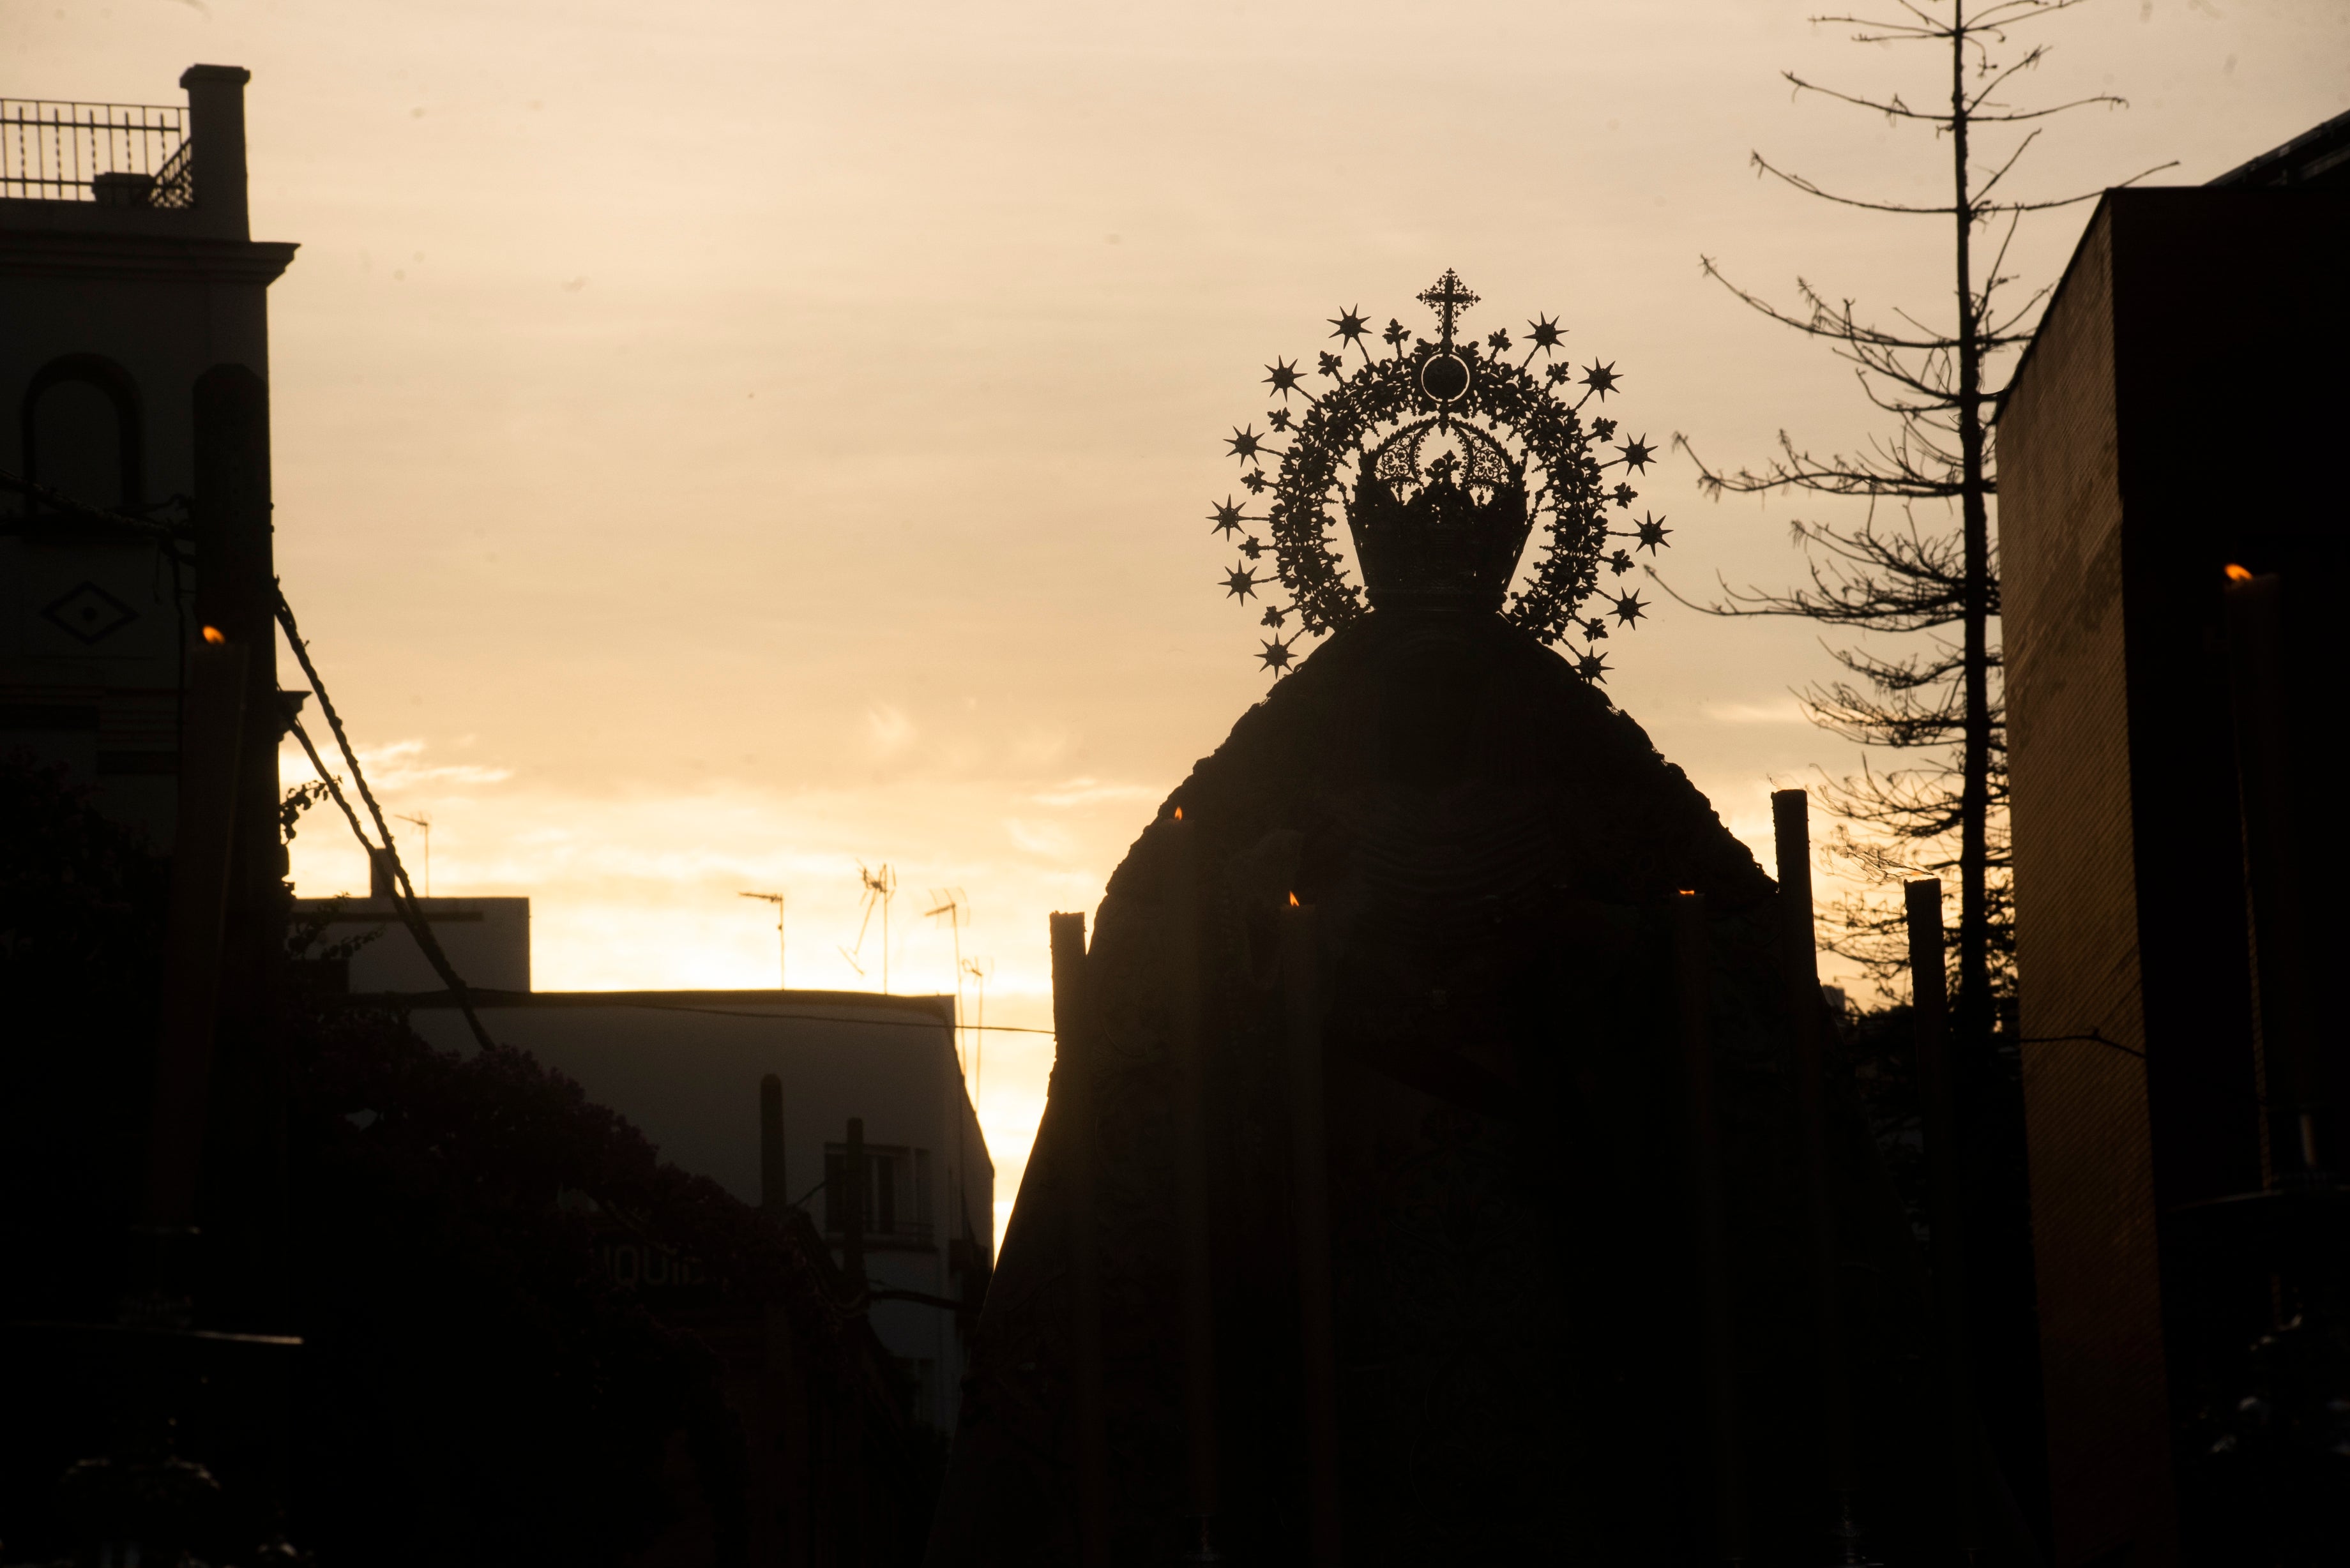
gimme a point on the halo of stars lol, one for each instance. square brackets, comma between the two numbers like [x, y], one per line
[1370, 384]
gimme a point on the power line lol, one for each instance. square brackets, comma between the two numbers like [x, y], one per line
[403, 891]
[170, 531]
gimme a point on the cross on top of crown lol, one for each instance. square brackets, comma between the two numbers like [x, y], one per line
[1447, 297]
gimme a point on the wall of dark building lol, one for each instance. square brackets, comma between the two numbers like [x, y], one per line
[2177, 412]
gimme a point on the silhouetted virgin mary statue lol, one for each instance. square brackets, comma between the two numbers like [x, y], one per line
[1369, 1220]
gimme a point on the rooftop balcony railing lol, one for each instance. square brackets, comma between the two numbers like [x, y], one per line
[115, 154]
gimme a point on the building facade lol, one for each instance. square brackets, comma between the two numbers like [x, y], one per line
[134, 359]
[2172, 425]
[686, 1067]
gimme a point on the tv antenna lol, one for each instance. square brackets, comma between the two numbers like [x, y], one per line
[777, 900]
[955, 910]
[424, 826]
[880, 885]
[979, 969]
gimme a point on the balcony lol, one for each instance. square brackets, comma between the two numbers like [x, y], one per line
[108, 154]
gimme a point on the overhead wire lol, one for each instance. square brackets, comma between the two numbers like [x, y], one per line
[403, 891]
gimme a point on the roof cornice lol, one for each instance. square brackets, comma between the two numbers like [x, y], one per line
[48, 253]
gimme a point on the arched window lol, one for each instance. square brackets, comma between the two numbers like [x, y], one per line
[82, 432]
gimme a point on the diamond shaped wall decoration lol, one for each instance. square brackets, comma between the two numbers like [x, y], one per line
[90, 613]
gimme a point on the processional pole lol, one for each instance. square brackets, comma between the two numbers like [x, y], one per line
[1309, 1154]
[1191, 1184]
[1799, 962]
[1693, 977]
[1072, 1092]
[1930, 1013]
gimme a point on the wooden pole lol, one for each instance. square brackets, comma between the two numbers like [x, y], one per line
[1693, 985]
[1191, 1184]
[2255, 625]
[1310, 1156]
[210, 744]
[1930, 1011]
[1799, 963]
[852, 1207]
[1072, 1096]
[775, 1180]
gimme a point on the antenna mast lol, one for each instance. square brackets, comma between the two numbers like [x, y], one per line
[424, 823]
[880, 887]
[781, 981]
[979, 970]
[956, 910]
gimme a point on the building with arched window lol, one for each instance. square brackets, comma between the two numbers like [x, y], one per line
[127, 273]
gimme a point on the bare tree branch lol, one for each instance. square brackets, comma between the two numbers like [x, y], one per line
[1808, 189]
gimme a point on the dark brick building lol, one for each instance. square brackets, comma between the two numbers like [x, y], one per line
[2183, 408]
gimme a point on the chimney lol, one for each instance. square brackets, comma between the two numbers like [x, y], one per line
[216, 141]
[379, 879]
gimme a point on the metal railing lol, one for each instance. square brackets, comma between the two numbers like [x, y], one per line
[118, 154]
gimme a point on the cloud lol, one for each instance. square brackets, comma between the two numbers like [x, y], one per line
[1093, 792]
[1040, 839]
[1788, 712]
[398, 765]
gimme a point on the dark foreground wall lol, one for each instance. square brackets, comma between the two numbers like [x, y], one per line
[2185, 406]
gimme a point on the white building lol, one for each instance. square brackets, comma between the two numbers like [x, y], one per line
[127, 273]
[686, 1066]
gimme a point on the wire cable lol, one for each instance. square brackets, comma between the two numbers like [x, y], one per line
[403, 891]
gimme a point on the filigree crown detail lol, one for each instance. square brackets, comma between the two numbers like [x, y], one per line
[1444, 455]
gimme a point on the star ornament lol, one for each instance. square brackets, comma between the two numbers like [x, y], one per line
[1352, 400]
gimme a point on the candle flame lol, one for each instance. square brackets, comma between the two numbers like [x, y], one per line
[1688, 892]
[2237, 574]
[1179, 814]
[214, 635]
[1293, 900]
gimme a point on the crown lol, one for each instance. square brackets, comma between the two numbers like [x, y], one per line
[1439, 517]
[1458, 450]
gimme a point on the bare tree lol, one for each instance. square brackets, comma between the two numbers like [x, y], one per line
[1939, 706]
